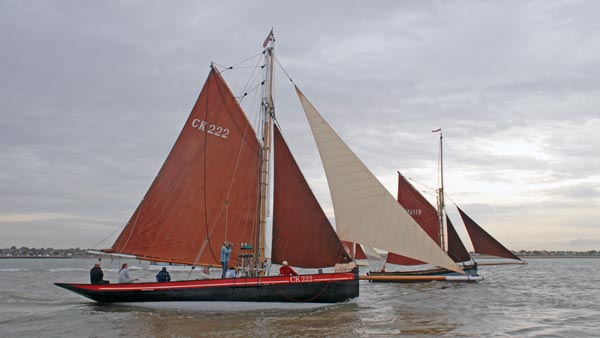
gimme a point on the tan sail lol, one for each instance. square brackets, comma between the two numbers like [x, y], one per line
[371, 252]
[365, 211]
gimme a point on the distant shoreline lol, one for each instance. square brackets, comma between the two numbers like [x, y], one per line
[482, 258]
[45, 257]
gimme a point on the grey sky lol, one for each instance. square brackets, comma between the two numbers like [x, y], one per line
[93, 95]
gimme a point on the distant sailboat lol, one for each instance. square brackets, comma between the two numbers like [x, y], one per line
[214, 187]
[427, 216]
[432, 221]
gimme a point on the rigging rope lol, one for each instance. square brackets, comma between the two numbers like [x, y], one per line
[234, 66]
[134, 222]
[283, 70]
[483, 199]
[251, 79]
[105, 238]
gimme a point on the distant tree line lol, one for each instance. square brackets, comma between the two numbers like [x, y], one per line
[77, 252]
[559, 253]
[43, 252]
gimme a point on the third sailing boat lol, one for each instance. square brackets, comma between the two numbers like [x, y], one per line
[438, 226]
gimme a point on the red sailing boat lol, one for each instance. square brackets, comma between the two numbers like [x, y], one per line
[214, 187]
[431, 220]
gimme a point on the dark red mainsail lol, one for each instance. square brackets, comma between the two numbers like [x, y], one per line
[207, 189]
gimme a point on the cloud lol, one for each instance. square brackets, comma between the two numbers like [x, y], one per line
[93, 96]
[19, 218]
[584, 242]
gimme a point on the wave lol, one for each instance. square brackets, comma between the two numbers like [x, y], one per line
[67, 269]
[13, 269]
[12, 297]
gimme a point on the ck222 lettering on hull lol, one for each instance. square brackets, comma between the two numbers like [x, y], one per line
[301, 279]
[209, 128]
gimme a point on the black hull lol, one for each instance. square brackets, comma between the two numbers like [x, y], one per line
[322, 288]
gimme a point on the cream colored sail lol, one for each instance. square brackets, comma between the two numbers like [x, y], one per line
[365, 211]
[369, 251]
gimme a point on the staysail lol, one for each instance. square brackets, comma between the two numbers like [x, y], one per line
[207, 189]
[456, 248]
[365, 211]
[421, 211]
[484, 243]
[302, 234]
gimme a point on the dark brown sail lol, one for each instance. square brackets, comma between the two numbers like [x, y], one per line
[456, 248]
[302, 234]
[484, 243]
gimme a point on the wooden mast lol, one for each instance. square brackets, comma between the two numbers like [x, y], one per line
[440, 197]
[267, 110]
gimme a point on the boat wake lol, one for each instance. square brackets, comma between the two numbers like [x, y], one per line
[67, 269]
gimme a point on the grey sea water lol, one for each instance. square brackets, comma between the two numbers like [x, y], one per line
[546, 298]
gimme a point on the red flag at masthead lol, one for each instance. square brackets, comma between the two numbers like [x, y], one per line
[268, 39]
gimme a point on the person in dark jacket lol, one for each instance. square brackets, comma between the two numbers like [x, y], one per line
[163, 275]
[97, 276]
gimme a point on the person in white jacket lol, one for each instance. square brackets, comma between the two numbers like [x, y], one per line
[124, 274]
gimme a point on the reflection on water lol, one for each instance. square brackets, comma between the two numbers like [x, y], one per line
[375, 315]
[534, 300]
[328, 321]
